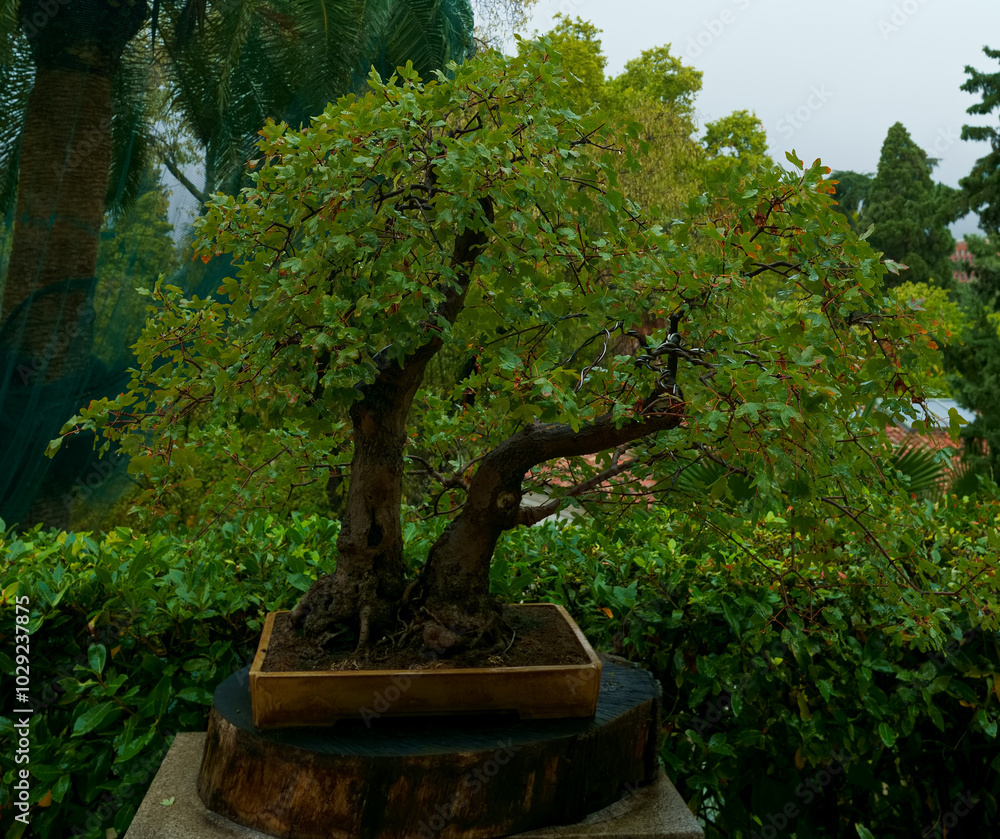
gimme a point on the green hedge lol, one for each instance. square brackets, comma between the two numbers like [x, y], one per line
[796, 704]
[129, 637]
[801, 702]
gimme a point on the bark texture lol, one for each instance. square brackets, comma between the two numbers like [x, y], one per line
[403, 777]
[456, 578]
[63, 172]
[364, 594]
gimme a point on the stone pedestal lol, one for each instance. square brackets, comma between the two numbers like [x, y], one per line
[654, 811]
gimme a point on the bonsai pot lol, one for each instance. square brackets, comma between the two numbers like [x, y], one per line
[282, 699]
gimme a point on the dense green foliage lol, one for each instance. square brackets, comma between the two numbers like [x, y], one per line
[777, 676]
[974, 364]
[775, 672]
[981, 187]
[129, 637]
[851, 193]
[782, 311]
[910, 212]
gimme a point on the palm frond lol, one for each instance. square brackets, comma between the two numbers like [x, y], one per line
[287, 59]
[130, 127]
[16, 79]
[924, 469]
[430, 33]
[707, 477]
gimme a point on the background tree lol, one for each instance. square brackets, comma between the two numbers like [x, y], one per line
[947, 323]
[82, 66]
[981, 187]
[578, 41]
[655, 91]
[911, 213]
[852, 192]
[466, 213]
[136, 248]
[496, 20]
[974, 364]
[739, 135]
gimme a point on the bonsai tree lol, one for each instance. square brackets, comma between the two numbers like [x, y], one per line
[446, 275]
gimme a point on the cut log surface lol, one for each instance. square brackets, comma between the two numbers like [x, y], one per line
[466, 777]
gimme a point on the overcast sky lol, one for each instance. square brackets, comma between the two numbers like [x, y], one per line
[827, 79]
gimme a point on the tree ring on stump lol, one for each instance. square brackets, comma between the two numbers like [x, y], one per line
[465, 777]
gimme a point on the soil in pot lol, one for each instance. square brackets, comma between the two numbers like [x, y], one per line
[539, 637]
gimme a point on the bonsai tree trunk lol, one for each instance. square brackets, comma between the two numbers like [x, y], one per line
[450, 604]
[360, 596]
[456, 577]
[363, 596]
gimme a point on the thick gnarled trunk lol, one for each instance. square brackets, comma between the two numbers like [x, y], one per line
[361, 597]
[366, 592]
[449, 604]
[456, 578]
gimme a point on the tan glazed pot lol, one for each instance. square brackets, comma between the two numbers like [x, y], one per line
[321, 698]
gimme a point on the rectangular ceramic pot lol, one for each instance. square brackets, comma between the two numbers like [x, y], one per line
[305, 698]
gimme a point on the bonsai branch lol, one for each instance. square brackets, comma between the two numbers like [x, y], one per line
[529, 515]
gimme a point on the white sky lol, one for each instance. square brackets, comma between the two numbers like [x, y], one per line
[827, 79]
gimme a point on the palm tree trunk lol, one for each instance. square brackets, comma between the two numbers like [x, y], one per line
[63, 179]
[63, 171]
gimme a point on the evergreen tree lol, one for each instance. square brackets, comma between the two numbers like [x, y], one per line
[852, 192]
[981, 187]
[910, 212]
[975, 364]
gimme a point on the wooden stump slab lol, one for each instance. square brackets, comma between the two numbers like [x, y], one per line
[467, 777]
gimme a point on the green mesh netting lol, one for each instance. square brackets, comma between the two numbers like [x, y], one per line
[223, 68]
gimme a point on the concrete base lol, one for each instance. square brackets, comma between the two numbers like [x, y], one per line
[652, 812]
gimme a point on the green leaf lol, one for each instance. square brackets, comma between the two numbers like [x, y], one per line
[93, 719]
[809, 357]
[96, 656]
[888, 735]
[136, 746]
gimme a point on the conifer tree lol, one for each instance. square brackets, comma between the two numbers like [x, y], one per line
[981, 187]
[910, 211]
